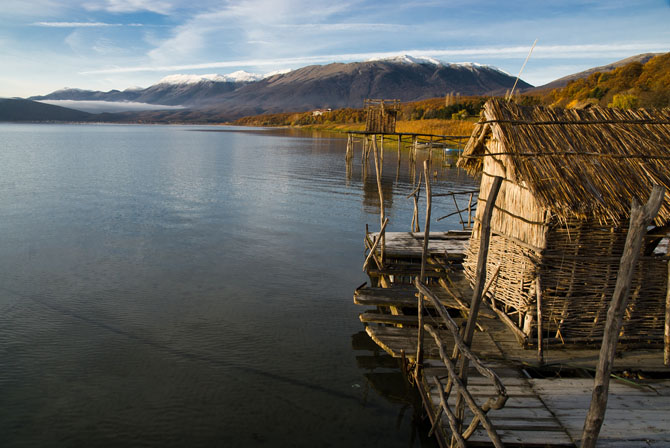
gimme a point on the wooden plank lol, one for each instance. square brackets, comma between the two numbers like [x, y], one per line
[394, 340]
[633, 413]
[401, 296]
[526, 438]
[371, 317]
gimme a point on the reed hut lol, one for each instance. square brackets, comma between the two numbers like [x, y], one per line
[560, 219]
[381, 116]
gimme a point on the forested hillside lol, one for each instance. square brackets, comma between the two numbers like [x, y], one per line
[633, 85]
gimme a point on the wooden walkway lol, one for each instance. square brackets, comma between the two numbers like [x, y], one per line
[540, 411]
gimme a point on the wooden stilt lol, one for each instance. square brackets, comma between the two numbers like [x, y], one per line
[399, 146]
[424, 259]
[640, 217]
[378, 170]
[480, 280]
[381, 149]
[540, 348]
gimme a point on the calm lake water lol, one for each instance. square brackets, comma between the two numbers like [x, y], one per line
[192, 286]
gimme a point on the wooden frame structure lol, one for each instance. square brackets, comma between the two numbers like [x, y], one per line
[560, 222]
[381, 115]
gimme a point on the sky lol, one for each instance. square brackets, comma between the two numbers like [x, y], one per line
[46, 45]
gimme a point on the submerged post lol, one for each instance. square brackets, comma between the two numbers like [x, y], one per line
[640, 217]
[399, 146]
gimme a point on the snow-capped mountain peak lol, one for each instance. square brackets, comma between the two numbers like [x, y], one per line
[408, 59]
[476, 65]
[238, 76]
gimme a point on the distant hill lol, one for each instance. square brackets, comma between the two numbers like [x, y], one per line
[635, 84]
[318, 86]
[562, 82]
[16, 109]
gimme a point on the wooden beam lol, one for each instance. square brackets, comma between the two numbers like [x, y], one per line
[374, 246]
[480, 280]
[540, 348]
[640, 218]
[424, 259]
[378, 170]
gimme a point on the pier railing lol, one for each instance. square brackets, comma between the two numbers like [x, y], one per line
[462, 354]
[458, 383]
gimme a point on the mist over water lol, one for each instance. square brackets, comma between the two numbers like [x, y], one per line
[192, 286]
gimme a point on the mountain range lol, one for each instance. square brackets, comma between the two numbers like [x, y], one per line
[334, 85]
[220, 98]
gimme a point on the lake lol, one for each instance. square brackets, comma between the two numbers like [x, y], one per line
[192, 286]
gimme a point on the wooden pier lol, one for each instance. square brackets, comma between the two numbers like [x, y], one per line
[539, 411]
[468, 352]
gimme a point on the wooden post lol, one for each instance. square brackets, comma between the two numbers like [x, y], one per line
[481, 260]
[480, 280]
[430, 150]
[470, 211]
[424, 259]
[378, 169]
[381, 149]
[640, 217]
[399, 146]
[415, 142]
[365, 149]
[540, 348]
[666, 348]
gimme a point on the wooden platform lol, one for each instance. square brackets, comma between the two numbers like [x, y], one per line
[551, 412]
[524, 421]
[497, 342]
[409, 245]
[543, 410]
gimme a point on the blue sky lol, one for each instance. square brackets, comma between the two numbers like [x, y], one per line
[113, 44]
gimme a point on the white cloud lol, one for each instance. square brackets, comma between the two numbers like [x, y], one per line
[121, 6]
[227, 27]
[513, 52]
[75, 24]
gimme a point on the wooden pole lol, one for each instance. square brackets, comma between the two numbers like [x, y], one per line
[378, 169]
[381, 149]
[640, 218]
[481, 260]
[480, 281]
[540, 348]
[374, 245]
[424, 259]
[470, 211]
[415, 142]
[399, 146]
[666, 349]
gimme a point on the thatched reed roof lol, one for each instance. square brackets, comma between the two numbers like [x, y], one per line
[589, 162]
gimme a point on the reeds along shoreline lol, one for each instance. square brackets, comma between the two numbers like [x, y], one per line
[435, 126]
